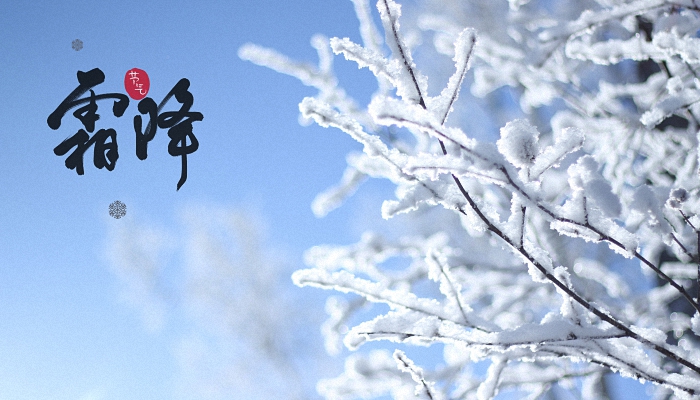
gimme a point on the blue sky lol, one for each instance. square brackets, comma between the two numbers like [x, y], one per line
[64, 332]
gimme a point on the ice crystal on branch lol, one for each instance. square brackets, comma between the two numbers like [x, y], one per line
[518, 143]
[522, 240]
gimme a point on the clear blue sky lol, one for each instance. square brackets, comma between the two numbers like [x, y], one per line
[64, 334]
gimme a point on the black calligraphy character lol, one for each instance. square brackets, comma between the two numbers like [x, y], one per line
[105, 154]
[178, 123]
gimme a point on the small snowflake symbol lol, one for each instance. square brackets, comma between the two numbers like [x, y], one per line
[117, 209]
[77, 45]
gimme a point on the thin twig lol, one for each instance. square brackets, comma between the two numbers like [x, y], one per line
[395, 32]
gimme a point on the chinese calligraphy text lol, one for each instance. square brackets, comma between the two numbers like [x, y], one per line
[178, 123]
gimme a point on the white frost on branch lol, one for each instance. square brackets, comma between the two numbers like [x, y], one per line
[515, 250]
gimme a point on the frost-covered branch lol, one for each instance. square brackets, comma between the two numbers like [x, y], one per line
[600, 169]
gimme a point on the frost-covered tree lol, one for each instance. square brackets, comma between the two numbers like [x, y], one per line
[565, 250]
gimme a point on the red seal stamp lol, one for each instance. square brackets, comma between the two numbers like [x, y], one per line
[136, 83]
